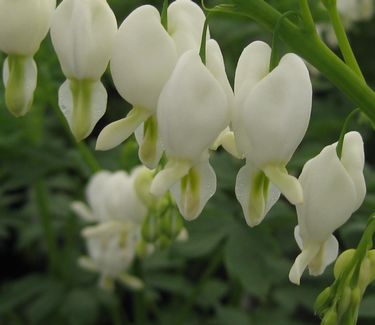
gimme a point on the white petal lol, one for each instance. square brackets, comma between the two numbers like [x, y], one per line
[23, 25]
[254, 200]
[116, 132]
[20, 83]
[143, 58]
[301, 262]
[96, 194]
[327, 254]
[185, 25]
[227, 140]
[253, 65]
[82, 33]
[276, 113]
[83, 211]
[150, 148]
[329, 196]
[192, 109]
[353, 160]
[194, 190]
[172, 173]
[287, 184]
[131, 281]
[83, 103]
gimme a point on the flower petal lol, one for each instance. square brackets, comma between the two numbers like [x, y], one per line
[143, 58]
[255, 194]
[194, 190]
[115, 133]
[287, 184]
[83, 103]
[83, 211]
[172, 173]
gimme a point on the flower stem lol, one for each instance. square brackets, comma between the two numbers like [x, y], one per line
[343, 132]
[311, 48]
[307, 17]
[342, 39]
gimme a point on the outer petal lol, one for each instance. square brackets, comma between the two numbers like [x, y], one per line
[253, 66]
[95, 195]
[82, 33]
[193, 107]
[144, 56]
[185, 24]
[83, 211]
[150, 147]
[329, 196]
[276, 113]
[83, 103]
[255, 194]
[122, 201]
[317, 256]
[24, 24]
[215, 64]
[353, 160]
[194, 190]
[20, 82]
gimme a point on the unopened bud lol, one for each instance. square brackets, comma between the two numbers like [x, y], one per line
[171, 224]
[344, 301]
[164, 242]
[330, 318]
[371, 257]
[142, 184]
[342, 261]
[322, 301]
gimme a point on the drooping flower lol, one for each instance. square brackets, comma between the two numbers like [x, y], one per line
[23, 26]
[118, 210]
[112, 196]
[145, 54]
[193, 109]
[82, 33]
[271, 115]
[333, 189]
[111, 248]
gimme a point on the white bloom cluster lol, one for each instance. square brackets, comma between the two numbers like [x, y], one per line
[118, 212]
[183, 106]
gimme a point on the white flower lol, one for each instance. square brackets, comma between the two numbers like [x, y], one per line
[82, 33]
[23, 26]
[112, 196]
[193, 109]
[333, 189]
[144, 56]
[111, 248]
[271, 115]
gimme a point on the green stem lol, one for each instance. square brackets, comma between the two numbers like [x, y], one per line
[202, 50]
[342, 39]
[275, 55]
[139, 303]
[343, 132]
[307, 17]
[164, 15]
[84, 151]
[45, 220]
[311, 48]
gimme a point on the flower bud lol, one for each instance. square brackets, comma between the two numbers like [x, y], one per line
[150, 229]
[330, 318]
[342, 262]
[322, 301]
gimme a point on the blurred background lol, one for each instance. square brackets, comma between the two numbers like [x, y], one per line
[226, 273]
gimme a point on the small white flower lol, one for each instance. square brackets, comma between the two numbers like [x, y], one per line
[333, 189]
[144, 56]
[112, 196]
[193, 109]
[23, 26]
[111, 247]
[271, 115]
[82, 33]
